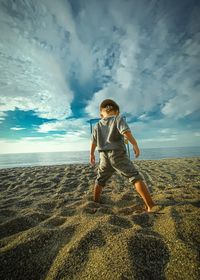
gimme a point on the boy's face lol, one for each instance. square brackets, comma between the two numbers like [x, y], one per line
[104, 113]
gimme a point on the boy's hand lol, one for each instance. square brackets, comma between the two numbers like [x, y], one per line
[131, 139]
[92, 159]
[136, 151]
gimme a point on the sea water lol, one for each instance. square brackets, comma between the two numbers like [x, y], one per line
[57, 158]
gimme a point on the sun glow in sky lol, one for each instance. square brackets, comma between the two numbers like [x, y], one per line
[60, 59]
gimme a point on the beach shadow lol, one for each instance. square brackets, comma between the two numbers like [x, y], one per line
[148, 254]
[77, 257]
[106, 200]
[30, 257]
[196, 203]
[119, 221]
[173, 202]
[105, 210]
[143, 219]
[20, 224]
[196, 187]
[182, 233]
[67, 211]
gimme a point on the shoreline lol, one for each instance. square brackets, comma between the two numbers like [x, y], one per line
[50, 228]
[86, 164]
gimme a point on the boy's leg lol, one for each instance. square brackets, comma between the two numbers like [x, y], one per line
[105, 171]
[97, 192]
[122, 163]
[143, 191]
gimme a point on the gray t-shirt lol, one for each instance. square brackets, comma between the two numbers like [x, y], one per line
[107, 133]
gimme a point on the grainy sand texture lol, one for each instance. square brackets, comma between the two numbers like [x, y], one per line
[50, 228]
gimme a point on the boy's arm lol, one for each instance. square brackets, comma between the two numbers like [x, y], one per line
[132, 140]
[93, 145]
[92, 150]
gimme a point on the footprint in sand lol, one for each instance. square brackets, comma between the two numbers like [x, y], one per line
[90, 207]
[23, 203]
[6, 214]
[20, 224]
[82, 187]
[119, 221]
[54, 222]
[105, 210]
[67, 211]
[144, 219]
[49, 206]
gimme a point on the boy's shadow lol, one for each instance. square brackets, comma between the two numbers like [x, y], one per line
[149, 255]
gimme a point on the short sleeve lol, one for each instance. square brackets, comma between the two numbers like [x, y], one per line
[122, 125]
[94, 135]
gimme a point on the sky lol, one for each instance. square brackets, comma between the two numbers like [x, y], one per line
[60, 59]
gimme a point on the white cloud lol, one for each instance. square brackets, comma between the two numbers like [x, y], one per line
[32, 76]
[108, 43]
[143, 117]
[159, 139]
[184, 103]
[2, 116]
[165, 130]
[153, 70]
[78, 54]
[32, 138]
[161, 133]
[70, 126]
[17, 128]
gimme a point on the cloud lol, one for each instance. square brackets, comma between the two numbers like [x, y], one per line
[197, 134]
[165, 130]
[2, 116]
[160, 139]
[121, 55]
[75, 136]
[187, 99]
[33, 138]
[70, 126]
[143, 117]
[32, 76]
[17, 128]
[156, 69]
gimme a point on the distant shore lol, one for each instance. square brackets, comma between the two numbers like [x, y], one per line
[50, 228]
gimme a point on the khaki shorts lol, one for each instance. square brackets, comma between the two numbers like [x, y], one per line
[115, 160]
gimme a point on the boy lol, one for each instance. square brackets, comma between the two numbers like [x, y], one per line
[108, 136]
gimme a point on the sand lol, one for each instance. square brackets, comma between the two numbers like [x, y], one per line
[50, 228]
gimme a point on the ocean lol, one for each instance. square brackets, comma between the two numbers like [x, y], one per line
[57, 158]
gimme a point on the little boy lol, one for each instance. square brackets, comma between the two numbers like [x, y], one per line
[108, 136]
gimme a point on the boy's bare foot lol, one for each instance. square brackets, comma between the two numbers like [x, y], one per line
[150, 208]
[143, 191]
[96, 200]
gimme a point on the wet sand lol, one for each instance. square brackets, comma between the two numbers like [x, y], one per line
[50, 228]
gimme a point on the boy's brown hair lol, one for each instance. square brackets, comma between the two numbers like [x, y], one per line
[109, 105]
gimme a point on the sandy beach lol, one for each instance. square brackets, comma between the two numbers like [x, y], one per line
[50, 228]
